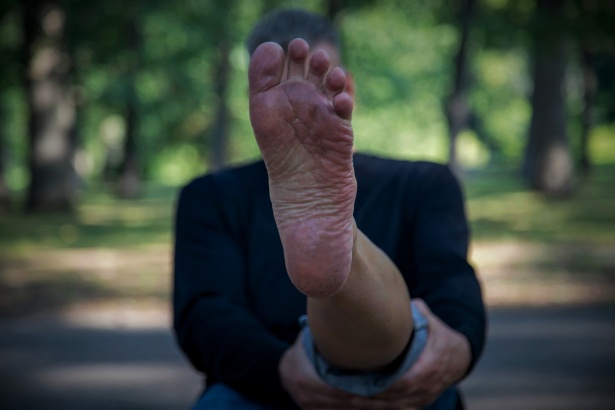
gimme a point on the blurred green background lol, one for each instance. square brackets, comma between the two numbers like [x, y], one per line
[107, 108]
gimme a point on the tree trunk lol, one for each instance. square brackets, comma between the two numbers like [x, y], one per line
[334, 7]
[5, 195]
[220, 131]
[475, 123]
[590, 86]
[548, 162]
[51, 108]
[457, 111]
[129, 183]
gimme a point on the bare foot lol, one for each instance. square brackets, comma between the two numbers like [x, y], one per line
[302, 126]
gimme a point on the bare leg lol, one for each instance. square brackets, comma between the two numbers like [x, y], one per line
[358, 305]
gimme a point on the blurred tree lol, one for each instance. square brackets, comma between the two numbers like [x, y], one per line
[457, 110]
[219, 134]
[222, 27]
[167, 84]
[51, 126]
[592, 26]
[8, 69]
[129, 183]
[5, 195]
[335, 7]
[107, 42]
[498, 108]
[590, 85]
[548, 163]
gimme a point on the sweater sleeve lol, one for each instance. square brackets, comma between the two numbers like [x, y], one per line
[212, 319]
[443, 276]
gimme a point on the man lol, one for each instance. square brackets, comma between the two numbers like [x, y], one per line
[345, 234]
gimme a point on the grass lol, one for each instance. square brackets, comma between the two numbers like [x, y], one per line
[105, 249]
[528, 249]
[500, 207]
[99, 221]
[533, 250]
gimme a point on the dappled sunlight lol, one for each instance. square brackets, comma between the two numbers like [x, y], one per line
[141, 313]
[105, 250]
[527, 250]
[602, 144]
[133, 215]
[99, 222]
[55, 278]
[107, 376]
[104, 262]
[533, 251]
[499, 207]
[536, 274]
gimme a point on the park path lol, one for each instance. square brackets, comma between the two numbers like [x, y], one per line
[546, 359]
[536, 359]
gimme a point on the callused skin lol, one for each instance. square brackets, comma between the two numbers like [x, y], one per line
[301, 121]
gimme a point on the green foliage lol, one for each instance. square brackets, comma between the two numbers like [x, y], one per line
[602, 144]
[499, 97]
[399, 52]
[399, 94]
[99, 221]
[500, 207]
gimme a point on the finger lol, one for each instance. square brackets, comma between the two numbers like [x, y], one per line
[297, 53]
[319, 65]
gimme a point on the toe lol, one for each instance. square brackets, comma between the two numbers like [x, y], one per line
[335, 83]
[319, 65]
[297, 53]
[342, 104]
[266, 67]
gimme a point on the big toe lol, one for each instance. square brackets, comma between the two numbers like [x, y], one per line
[266, 67]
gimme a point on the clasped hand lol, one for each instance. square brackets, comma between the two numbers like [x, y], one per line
[443, 362]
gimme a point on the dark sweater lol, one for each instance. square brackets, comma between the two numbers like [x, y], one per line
[235, 309]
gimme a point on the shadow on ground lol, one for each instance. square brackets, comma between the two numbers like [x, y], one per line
[546, 358]
[537, 359]
[52, 365]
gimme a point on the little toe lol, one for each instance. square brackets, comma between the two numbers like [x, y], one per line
[298, 50]
[335, 82]
[319, 65]
[343, 104]
[266, 67]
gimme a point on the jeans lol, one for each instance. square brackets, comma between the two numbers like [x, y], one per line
[221, 397]
[368, 384]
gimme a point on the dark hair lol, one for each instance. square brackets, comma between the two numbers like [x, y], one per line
[284, 25]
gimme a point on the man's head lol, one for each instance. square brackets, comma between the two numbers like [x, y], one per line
[282, 26]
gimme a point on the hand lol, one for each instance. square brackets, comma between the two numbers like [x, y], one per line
[303, 384]
[443, 362]
[299, 378]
